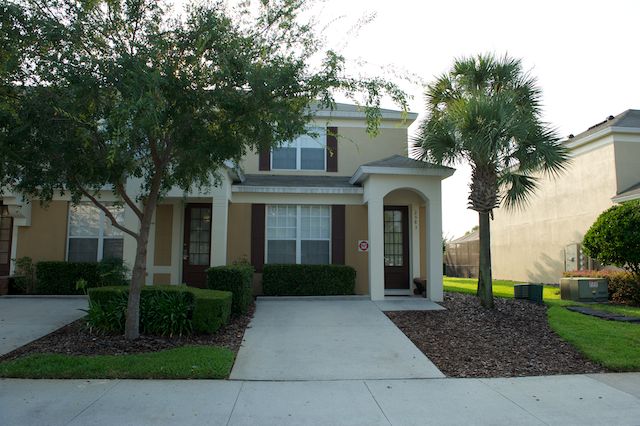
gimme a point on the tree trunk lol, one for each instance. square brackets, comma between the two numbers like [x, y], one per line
[138, 275]
[485, 287]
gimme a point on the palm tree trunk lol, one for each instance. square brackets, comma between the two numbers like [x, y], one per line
[485, 290]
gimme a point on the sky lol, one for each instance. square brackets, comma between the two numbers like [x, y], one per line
[585, 55]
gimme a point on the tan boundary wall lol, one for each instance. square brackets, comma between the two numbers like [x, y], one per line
[356, 228]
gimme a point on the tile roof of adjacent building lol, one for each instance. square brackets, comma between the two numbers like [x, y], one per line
[631, 193]
[629, 118]
[471, 236]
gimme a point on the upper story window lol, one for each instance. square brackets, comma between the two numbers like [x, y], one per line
[91, 236]
[306, 152]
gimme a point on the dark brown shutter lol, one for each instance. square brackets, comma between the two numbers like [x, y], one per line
[332, 149]
[264, 162]
[257, 236]
[337, 234]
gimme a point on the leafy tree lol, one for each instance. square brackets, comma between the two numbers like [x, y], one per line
[126, 95]
[486, 111]
[614, 238]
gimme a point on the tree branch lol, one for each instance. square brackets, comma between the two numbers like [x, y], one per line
[120, 190]
[107, 213]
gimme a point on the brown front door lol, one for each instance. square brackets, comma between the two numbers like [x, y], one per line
[196, 252]
[396, 247]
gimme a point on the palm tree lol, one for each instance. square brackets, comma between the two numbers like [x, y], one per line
[486, 111]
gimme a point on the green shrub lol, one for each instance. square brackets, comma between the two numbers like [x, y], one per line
[238, 279]
[57, 277]
[624, 287]
[164, 310]
[211, 311]
[614, 238]
[308, 280]
[24, 281]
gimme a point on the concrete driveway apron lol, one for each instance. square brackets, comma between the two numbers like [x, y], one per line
[24, 319]
[327, 339]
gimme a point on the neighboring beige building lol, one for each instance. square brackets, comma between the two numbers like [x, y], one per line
[540, 241]
[311, 201]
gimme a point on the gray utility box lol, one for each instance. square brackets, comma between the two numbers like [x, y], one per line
[584, 289]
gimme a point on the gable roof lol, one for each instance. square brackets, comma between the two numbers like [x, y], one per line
[400, 165]
[402, 161]
[629, 119]
[631, 193]
[342, 110]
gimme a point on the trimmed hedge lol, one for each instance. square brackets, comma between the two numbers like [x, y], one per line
[205, 310]
[238, 279]
[59, 277]
[308, 280]
[624, 287]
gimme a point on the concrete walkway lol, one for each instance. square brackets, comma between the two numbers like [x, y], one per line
[320, 339]
[27, 318]
[609, 399]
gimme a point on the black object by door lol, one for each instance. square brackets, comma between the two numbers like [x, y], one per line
[196, 251]
[396, 247]
[6, 227]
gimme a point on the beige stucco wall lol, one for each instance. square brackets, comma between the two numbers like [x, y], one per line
[355, 147]
[627, 163]
[528, 245]
[46, 238]
[239, 233]
[356, 228]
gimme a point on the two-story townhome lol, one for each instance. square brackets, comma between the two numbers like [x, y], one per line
[337, 196]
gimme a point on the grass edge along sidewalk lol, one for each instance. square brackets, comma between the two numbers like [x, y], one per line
[185, 362]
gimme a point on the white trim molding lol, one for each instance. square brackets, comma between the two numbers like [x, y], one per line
[296, 189]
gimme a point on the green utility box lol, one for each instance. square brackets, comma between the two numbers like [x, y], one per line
[532, 292]
[581, 289]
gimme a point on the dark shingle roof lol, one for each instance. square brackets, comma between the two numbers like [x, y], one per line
[633, 191]
[297, 181]
[406, 162]
[629, 118]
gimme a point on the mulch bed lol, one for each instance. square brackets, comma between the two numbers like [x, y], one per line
[512, 340]
[75, 339]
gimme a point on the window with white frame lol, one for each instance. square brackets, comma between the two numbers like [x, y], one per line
[91, 236]
[298, 234]
[306, 152]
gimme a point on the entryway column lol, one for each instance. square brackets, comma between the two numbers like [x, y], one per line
[376, 247]
[219, 221]
[434, 247]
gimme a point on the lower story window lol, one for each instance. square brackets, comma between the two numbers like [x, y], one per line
[298, 234]
[91, 236]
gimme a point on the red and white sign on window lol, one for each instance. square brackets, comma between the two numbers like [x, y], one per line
[363, 245]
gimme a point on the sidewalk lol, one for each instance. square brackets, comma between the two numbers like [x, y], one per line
[612, 399]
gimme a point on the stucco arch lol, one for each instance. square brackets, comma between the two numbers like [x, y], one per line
[380, 190]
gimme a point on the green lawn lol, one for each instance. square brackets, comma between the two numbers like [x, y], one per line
[501, 288]
[613, 344]
[187, 362]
